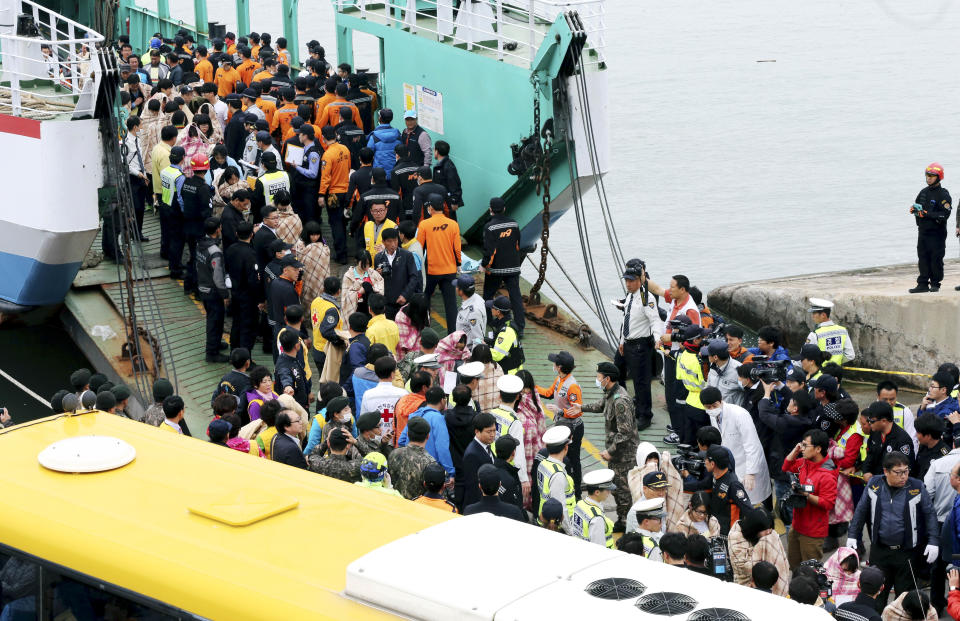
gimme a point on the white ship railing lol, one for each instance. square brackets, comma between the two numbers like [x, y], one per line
[53, 72]
[512, 29]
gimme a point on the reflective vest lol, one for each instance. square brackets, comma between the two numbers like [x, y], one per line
[507, 350]
[898, 414]
[168, 184]
[545, 470]
[690, 373]
[583, 513]
[649, 545]
[505, 418]
[863, 447]
[851, 430]
[318, 309]
[378, 486]
[273, 182]
[832, 339]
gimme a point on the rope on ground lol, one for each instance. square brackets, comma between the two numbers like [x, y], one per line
[887, 372]
[13, 381]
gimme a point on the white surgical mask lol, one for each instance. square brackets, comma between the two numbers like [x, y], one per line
[597, 381]
[714, 412]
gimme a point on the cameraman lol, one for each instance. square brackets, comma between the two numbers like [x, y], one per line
[768, 344]
[787, 428]
[706, 437]
[819, 487]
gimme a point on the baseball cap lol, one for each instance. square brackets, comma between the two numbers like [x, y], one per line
[871, 579]
[489, 478]
[631, 274]
[561, 358]
[809, 351]
[250, 93]
[263, 136]
[410, 114]
[796, 374]
[464, 281]
[290, 261]
[278, 245]
[501, 303]
[714, 348]
[655, 480]
[434, 473]
[826, 382]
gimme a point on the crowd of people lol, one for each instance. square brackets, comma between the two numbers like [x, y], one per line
[241, 176]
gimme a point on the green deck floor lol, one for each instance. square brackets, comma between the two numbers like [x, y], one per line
[183, 319]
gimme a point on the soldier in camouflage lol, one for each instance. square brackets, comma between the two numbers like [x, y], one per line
[428, 344]
[622, 437]
[371, 438]
[162, 388]
[335, 463]
[407, 463]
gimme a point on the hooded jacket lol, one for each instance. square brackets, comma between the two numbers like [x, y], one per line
[459, 421]
[383, 140]
[812, 520]
[846, 586]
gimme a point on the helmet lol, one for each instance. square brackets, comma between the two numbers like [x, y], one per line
[373, 466]
[935, 169]
[200, 162]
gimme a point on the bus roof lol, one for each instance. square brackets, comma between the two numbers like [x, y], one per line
[133, 526]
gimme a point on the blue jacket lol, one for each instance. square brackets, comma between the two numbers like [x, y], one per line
[438, 443]
[383, 140]
[363, 380]
[944, 409]
[780, 354]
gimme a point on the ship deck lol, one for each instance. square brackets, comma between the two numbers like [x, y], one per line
[95, 300]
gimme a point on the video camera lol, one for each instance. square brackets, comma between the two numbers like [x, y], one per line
[718, 557]
[825, 585]
[795, 498]
[689, 459]
[384, 267]
[769, 371]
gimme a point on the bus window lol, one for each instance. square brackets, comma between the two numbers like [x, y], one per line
[19, 581]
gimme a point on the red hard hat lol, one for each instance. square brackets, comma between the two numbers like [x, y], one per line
[200, 163]
[935, 169]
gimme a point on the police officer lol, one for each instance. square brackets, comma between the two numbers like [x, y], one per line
[195, 201]
[931, 210]
[690, 375]
[552, 478]
[171, 184]
[728, 498]
[589, 521]
[634, 354]
[246, 290]
[650, 516]
[885, 437]
[306, 177]
[505, 346]
[270, 182]
[510, 387]
[828, 336]
[472, 317]
[502, 258]
[213, 287]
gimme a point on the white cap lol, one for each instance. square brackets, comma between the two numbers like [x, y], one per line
[427, 360]
[602, 478]
[817, 304]
[651, 508]
[510, 384]
[556, 435]
[471, 369]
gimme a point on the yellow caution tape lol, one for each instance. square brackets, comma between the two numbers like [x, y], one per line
[887, 372]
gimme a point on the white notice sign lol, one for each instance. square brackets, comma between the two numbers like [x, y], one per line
[430, 109]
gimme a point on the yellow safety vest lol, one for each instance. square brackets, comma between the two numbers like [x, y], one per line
[832, 339]
[583, 513]
[504, 418]
[545, 471]
[168, 184]
[863, 447]
[898, 414]
[318, 309]
[273, 182]
[649, 545]
[690, 373]
[507, 350]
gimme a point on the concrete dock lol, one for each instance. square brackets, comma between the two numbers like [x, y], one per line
[891, 328]
[95, 301]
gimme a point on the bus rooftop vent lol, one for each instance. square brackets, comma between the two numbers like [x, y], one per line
[84, 454]
[615, 588]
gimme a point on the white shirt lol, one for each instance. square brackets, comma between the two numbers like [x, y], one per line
[655, 554]
[725, 379]
[937, 481]
[167, 421]
[390, 257]
[520, 459]
[135, 154]
[643, 318]
[558, 490]
[221, 110]
[597, 527]
[633, 525]
[739, 435]
[486, 448]
[382, 398]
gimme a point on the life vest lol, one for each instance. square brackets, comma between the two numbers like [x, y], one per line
[273, 182]
[583, 513]
[318, 310]
[507, 350]
[690, 373]
[168, 184]
[504, 418]
[545, 471]
[832, 339]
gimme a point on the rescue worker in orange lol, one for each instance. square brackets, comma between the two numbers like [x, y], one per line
[334, 183]
[226, 77]
[565, 392]
[248, 67]
[203, 67]
[331, 113]
[329, 94]
[285, 113]
[269, 70]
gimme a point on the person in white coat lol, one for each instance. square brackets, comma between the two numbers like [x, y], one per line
[739, 435]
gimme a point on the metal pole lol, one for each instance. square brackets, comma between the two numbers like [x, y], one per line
[290, 16]
[200, 20]
[163, 12]
[530, 26]
[243, 17]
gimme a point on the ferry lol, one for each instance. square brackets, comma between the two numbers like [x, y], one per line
[539, 66]
[107, 518]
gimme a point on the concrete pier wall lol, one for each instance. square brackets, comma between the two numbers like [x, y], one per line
[891, 328]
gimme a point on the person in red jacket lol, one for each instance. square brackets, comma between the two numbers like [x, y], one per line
[953, 600]
[818, 478]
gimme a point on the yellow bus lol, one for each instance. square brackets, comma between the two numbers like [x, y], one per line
[187, 530]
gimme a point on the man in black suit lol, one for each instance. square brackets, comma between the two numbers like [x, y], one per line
[399, 270]
[285, 446]
[466, 490]
[489, 478]
[261, 244]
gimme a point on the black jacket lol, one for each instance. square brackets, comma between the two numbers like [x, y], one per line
[420, 198]
[289, 372]
[501, 245]
[240, 260]
[510, 490]
[210, 272]
[261, 243]
[286, 451]
[787, 431]
[467, 489]
[403, 179]
[493, 504]
[351, 136]
[445, 173]
[459, 421]
[863, 608]
[360, 181]
[229, 220]
[936, 201]
[237, 384]
[196, 205]
[283, 293]
[235, 136]
[402, 278]
[374, 193]
[896, 440]
[728, 500]
[925, 456]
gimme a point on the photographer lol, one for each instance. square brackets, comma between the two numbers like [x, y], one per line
[738, 433]
[787, 428]
[768, 344]
[701, 480]
[723, 371]
[897, 511]
[401, 279]
[818, 487]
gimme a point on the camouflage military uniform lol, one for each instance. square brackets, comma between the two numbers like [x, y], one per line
[336, 466]
[406, 366]
[154, 415]
[622, 439]
[369, 446]
[406, 465]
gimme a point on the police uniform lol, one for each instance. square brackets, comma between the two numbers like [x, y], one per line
[828, 336]
[931, 210]
[640, 320]
[506, 348]
[552, 478]
[690, 375]
[271, 182]
[472, 316]
[879, 445]
[728, 500]
[171, 213]
[502, 258]
[507, 421]
[645, 510]
[212, 285]
[588, 521]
